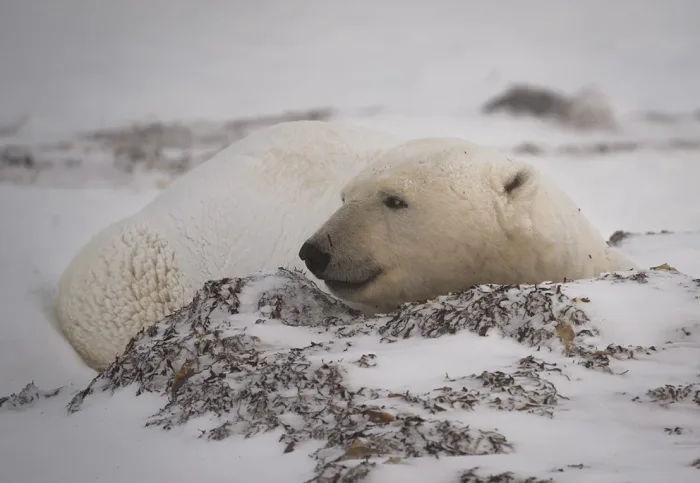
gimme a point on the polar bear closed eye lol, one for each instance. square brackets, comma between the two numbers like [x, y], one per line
[438, 215]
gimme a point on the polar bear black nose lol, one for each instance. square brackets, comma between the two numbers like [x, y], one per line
[316, 259]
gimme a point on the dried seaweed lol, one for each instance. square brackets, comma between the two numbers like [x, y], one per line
[528, 314]
[208, 368]
[27, 397]
[343, 473]
[471, 476]
[539, 316]
[670, 394]
[520, 390]
[367, 360]
[579, 466]
[205, 366]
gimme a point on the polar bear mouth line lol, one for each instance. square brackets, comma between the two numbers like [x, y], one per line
[348, 286]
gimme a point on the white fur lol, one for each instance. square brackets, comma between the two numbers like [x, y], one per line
[460, 227]
[247, 209]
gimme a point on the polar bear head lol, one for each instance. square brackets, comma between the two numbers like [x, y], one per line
[430, 216]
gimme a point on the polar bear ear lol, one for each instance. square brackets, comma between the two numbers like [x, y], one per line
[519, 181]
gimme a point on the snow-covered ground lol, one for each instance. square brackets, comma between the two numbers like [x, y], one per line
[426, 67]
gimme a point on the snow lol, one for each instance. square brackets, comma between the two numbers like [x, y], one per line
[578, 408]
[427, 68]
[33, 256]
[678, 249]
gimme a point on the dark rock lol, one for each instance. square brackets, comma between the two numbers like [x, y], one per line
[587, 110]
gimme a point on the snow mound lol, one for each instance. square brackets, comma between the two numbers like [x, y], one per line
[272, 352]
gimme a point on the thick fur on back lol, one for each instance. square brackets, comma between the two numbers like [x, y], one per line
[438, 215]
[248, 209]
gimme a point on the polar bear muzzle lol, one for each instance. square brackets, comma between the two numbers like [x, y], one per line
[342, 275]
[341, 278]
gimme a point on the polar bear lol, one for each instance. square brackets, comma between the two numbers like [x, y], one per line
[245, 210]
[439, 215]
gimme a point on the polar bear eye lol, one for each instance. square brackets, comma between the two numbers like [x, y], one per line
[395, 203]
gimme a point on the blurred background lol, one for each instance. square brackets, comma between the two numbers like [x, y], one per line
[79, 64]
[104, 94]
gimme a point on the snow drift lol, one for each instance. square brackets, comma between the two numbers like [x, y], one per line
[512, 372]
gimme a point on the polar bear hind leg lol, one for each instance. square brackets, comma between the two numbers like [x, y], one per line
[111, 291]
